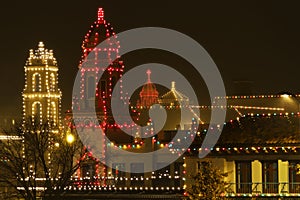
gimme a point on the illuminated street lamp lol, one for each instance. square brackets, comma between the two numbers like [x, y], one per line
[290, 96]
[286, 95]
[70, 138]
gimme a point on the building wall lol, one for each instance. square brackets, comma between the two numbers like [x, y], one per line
[282, 173]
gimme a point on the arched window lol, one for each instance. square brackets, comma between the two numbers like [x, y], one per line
[113, 55]
[113, 84]
[103, 88]
[53, 112]
[91, 87]
[113, 81]
[102, 55]
[52, 82]
[36, 83]
[37, 112]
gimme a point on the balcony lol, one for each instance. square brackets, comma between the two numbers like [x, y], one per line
[266, 189]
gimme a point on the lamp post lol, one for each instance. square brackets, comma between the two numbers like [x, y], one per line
[294, 97]
[70, 138]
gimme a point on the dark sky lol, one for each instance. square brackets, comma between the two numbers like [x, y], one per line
[249, 40]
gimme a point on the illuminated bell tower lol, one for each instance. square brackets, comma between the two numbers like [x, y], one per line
[41, 95]
[95, 60]
[96, 91]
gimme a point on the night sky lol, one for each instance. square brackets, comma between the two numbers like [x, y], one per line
[254, 41]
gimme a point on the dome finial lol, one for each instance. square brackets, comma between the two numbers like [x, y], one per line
[173, 86]
[149, 75]
[100, 14]
[41, 46]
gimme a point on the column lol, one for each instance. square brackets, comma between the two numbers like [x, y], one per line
[256, 167]
[231, 175]
[283, 176]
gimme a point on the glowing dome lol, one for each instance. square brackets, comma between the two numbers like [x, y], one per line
[149, 94]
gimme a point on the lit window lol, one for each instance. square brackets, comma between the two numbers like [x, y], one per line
[36, 83]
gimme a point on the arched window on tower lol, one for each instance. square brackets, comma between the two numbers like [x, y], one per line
[91, 87]
[103, 88]
[53, 113]
[112, 56]
[52, 82]
[102, 56]
[36, 83]
[90, 60]
[37, 113]
[113, 82]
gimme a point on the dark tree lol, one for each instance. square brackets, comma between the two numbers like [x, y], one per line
[208, 183]
[38, 160]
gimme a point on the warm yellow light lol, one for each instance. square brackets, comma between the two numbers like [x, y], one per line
[285, 95]
[70, 138]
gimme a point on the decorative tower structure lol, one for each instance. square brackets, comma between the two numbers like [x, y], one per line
[41, 95]
[149, 94]
[175, 101]
[95, 60]
[95, 94]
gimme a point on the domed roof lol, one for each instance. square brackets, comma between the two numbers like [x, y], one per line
[148, 94]
[98, 32]
[149, 88]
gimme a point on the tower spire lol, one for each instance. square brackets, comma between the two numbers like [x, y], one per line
[173, 86]
[41, 46]
[100, 15]
[149, 75]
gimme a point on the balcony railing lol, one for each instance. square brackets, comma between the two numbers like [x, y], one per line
[265, 188]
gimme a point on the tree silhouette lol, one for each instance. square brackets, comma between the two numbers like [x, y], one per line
[208, 183]
[37, 161]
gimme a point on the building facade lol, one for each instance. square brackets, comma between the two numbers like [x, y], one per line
[258, 147]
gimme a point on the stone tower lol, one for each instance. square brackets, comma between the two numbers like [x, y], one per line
[100, 69]
[95, 60]
[41, 95]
